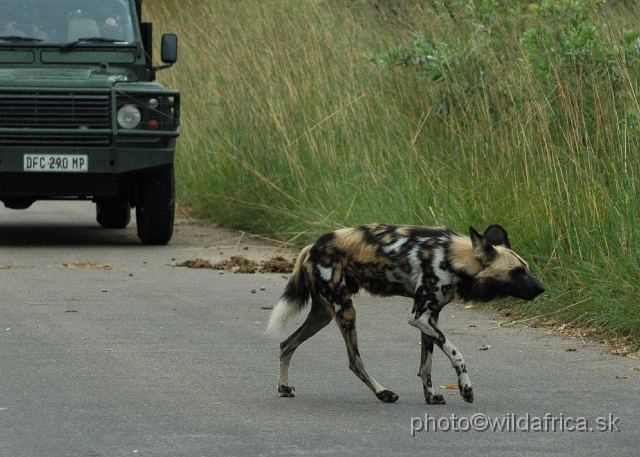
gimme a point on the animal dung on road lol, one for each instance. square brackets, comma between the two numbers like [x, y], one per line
[240, 264]
[88, 265]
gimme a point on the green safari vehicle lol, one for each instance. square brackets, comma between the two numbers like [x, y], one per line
[81, 116]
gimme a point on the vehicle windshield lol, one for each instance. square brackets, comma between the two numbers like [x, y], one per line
[65, 21]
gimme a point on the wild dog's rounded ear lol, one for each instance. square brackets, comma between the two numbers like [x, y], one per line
[482, 249]
[497, 236]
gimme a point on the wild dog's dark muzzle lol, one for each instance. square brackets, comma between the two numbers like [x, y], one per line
[531, 290]
[524, 285]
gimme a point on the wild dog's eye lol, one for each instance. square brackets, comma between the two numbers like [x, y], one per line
[517, 272]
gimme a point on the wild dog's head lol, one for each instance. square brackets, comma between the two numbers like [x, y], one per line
[498, 271]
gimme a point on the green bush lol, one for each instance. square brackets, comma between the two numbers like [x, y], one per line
[568, 40]
[464, 64]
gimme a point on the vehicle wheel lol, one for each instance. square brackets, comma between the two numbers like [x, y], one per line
[113, 213]
[155, 207]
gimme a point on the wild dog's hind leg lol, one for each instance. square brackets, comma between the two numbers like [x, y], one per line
[426, 361]
[346, 319]
[428, 325]
[319, 316]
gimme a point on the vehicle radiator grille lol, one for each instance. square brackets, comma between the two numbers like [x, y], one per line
[53, 111]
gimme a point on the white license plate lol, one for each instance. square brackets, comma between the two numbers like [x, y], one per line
[56, 162]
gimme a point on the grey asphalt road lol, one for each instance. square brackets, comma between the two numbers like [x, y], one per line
[110, 350]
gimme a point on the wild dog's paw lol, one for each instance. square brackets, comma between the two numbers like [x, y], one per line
[387, 396]
[467, 393]
[287, 391]
[436, 399]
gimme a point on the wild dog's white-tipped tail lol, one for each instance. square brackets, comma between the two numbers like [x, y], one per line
[295, 297]
[281, 315]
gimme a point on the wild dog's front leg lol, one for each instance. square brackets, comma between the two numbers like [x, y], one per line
[427, 323]
[426, 361]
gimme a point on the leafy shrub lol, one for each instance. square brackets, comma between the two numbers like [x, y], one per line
[463, 64]
[565, 40]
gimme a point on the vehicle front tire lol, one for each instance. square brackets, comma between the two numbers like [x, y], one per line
[155, 207]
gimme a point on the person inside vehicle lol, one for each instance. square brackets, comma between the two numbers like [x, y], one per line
[19, 25]
[108, 23]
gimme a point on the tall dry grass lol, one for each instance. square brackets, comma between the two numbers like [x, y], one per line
[289, 131]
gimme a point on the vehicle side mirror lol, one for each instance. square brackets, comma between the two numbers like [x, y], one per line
[169, 48]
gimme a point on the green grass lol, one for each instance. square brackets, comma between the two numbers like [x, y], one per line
[289, 131]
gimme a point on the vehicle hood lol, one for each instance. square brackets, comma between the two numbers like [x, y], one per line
[100, 76]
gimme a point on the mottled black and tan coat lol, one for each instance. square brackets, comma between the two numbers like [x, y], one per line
[431, 265]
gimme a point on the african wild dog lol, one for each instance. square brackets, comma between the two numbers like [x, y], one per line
[431, 265]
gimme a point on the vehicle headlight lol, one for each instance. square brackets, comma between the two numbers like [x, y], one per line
[129, 117]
